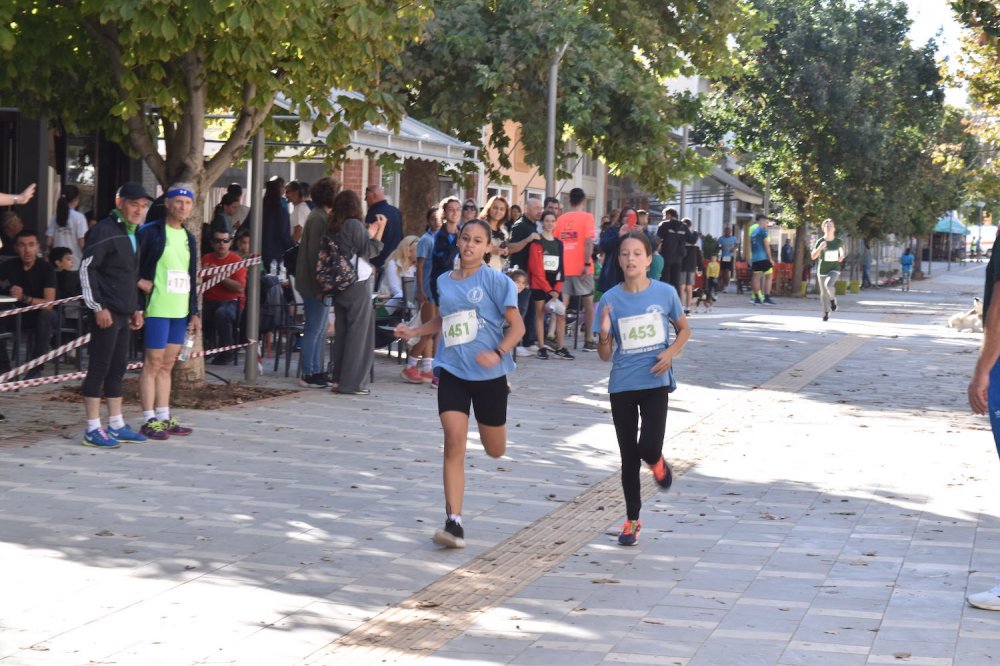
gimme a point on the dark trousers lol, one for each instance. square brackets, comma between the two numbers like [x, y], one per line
[220, 323]
[528, 315]
[635, 446]
[672, 274]
[37, 327]
[108, 357]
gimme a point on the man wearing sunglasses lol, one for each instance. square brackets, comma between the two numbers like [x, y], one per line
[224, 301]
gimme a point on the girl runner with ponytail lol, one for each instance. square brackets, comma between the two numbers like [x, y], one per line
[635, 315]
[474, 356]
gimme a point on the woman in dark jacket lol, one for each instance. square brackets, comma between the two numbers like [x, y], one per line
[276, 234]
[611, 239]
[354, 317]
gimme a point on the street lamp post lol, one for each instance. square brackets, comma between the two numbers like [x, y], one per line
[550, 143]
[979, 243]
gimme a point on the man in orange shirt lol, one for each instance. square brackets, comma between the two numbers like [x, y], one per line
[576, 230]
[223, 301]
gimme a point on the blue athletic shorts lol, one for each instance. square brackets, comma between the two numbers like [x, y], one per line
[162, 331]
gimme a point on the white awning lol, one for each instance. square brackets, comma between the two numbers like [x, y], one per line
[741, 190]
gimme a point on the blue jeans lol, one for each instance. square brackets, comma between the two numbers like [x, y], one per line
[528, 315]
[317, 313]
[993, 401]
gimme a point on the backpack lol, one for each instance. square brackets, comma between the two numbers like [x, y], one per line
[334, 270]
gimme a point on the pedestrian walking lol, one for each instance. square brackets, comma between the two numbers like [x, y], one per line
[109, 278]
[906, 268]
[637, 314]
[575, 228]
[727, 263]
[828, 252]
[168, 265]
[474, 358]
[760, 261]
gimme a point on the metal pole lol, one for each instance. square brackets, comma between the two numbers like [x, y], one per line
[683, 194]
[767, 194]
[948, 258]
[254, 272]
[550, 139]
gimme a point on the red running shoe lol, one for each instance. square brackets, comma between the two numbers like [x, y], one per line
[661, 472]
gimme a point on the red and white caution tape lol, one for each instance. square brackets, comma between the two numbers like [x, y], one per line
[219, 273]
[48, 356]
[55, 379]
[39, 306]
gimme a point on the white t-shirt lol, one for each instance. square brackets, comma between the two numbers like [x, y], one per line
[70, 235]
[298, 217]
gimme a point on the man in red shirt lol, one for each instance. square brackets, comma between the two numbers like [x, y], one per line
[223, 302]
[576, 231]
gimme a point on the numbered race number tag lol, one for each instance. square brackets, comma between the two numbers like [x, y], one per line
[460, 328]
[178, 282]
[642, 331]
[832, 255]
[551, 262]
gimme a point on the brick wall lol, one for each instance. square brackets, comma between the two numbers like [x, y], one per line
[352, 176]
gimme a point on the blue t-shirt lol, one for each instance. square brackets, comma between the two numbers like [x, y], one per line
[489, 293]
[758, 240]
[425, 249]
[726, 244]
[907, 261]
[632, 370]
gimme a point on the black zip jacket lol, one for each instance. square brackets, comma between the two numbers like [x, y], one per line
[110, 268]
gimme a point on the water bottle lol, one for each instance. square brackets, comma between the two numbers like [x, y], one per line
[186, 349]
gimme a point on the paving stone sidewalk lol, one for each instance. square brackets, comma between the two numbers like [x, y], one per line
[840, 523]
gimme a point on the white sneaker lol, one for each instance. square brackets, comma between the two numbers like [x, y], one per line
[988, 600]
[533, 348]
[521, 352]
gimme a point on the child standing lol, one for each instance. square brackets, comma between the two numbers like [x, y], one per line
[636, 313]
[474, 357]
[545, 268]
[906, 263]
[712, 273]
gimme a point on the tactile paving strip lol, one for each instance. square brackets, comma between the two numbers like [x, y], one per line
[424, 623]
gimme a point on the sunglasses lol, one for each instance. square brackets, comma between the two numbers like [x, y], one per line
[470, 207]
[216, 241]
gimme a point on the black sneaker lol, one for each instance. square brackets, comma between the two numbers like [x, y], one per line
[563, 354]
[589, 346]
[317, 381]
[833, 304]
[543, 354]
[452, 536]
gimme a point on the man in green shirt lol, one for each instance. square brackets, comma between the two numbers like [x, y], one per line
[168, 262]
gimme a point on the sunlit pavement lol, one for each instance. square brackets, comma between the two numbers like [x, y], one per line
[834, 507]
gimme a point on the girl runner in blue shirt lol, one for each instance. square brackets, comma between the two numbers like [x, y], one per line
[636, 313]
[474, 355]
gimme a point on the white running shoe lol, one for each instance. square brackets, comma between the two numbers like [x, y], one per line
[523, 351]
[988, 600]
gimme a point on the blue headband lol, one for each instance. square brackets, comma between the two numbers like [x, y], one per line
[179, 192]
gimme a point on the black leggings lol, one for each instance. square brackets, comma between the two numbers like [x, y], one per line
[637, 447]
[108, 352]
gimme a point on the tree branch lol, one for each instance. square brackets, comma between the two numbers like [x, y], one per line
[138, 132]
[249, 121]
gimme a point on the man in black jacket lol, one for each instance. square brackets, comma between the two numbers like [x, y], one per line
[109, 276]
[673, 239]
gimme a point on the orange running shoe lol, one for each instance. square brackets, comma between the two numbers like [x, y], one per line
[661, 472]
[630, 533]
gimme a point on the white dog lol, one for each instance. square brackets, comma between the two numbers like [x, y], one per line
[969, 321]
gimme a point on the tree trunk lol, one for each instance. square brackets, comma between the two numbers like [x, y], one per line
[918, 270]
[801, 236]
[418, 189]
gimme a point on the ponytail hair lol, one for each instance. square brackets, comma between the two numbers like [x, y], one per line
[69, 193]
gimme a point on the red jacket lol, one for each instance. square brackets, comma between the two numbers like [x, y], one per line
[536, 269]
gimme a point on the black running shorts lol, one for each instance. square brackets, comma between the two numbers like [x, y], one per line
[488, 397]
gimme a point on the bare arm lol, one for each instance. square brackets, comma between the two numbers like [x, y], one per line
[16, 199]
[988, 355]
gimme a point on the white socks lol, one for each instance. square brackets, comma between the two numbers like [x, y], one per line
[93, 424]
[116, 422]
[162, 413]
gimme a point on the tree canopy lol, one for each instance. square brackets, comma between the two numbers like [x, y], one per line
[142, 71]
[484, 62]
[837, 108]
